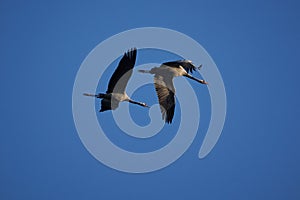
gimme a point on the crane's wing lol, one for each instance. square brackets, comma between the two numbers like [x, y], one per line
[165, 92]
[186, 64]
[109, 104]
[120, 77]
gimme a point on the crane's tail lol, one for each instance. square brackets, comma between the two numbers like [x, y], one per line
[144, 71]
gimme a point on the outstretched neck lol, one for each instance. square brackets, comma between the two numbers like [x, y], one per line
[134, 102]
[195, 79]
[137, 103]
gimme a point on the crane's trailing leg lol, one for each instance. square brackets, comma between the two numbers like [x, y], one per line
[100, 95]
[144, 71]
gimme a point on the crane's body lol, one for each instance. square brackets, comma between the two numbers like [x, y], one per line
[117, 84]
[163, 82]
[168, 71]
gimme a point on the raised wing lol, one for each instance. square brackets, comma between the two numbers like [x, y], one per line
[186, 64]
[165, 92]
[122, 74]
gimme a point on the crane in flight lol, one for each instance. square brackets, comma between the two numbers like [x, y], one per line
[117, 84]
[163, 83]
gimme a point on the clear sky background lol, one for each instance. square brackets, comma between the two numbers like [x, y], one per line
[255, 45]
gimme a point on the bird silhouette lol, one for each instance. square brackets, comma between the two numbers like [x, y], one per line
[117, 84]
[163, 82]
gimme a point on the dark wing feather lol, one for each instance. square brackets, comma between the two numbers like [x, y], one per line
[186, 64]
[120, 77]
[109, 104]
[165, 97]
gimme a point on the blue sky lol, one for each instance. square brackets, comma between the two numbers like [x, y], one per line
[255, 45]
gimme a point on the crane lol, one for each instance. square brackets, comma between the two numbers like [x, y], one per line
[117, 84]
[163, 83]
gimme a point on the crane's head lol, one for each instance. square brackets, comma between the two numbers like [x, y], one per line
[144, 105]
[203, 82]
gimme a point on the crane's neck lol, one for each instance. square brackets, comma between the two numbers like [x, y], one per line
[195, 79]
[137, 103]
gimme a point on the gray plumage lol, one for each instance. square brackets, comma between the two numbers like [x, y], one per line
[163, 83]
[115, 92]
